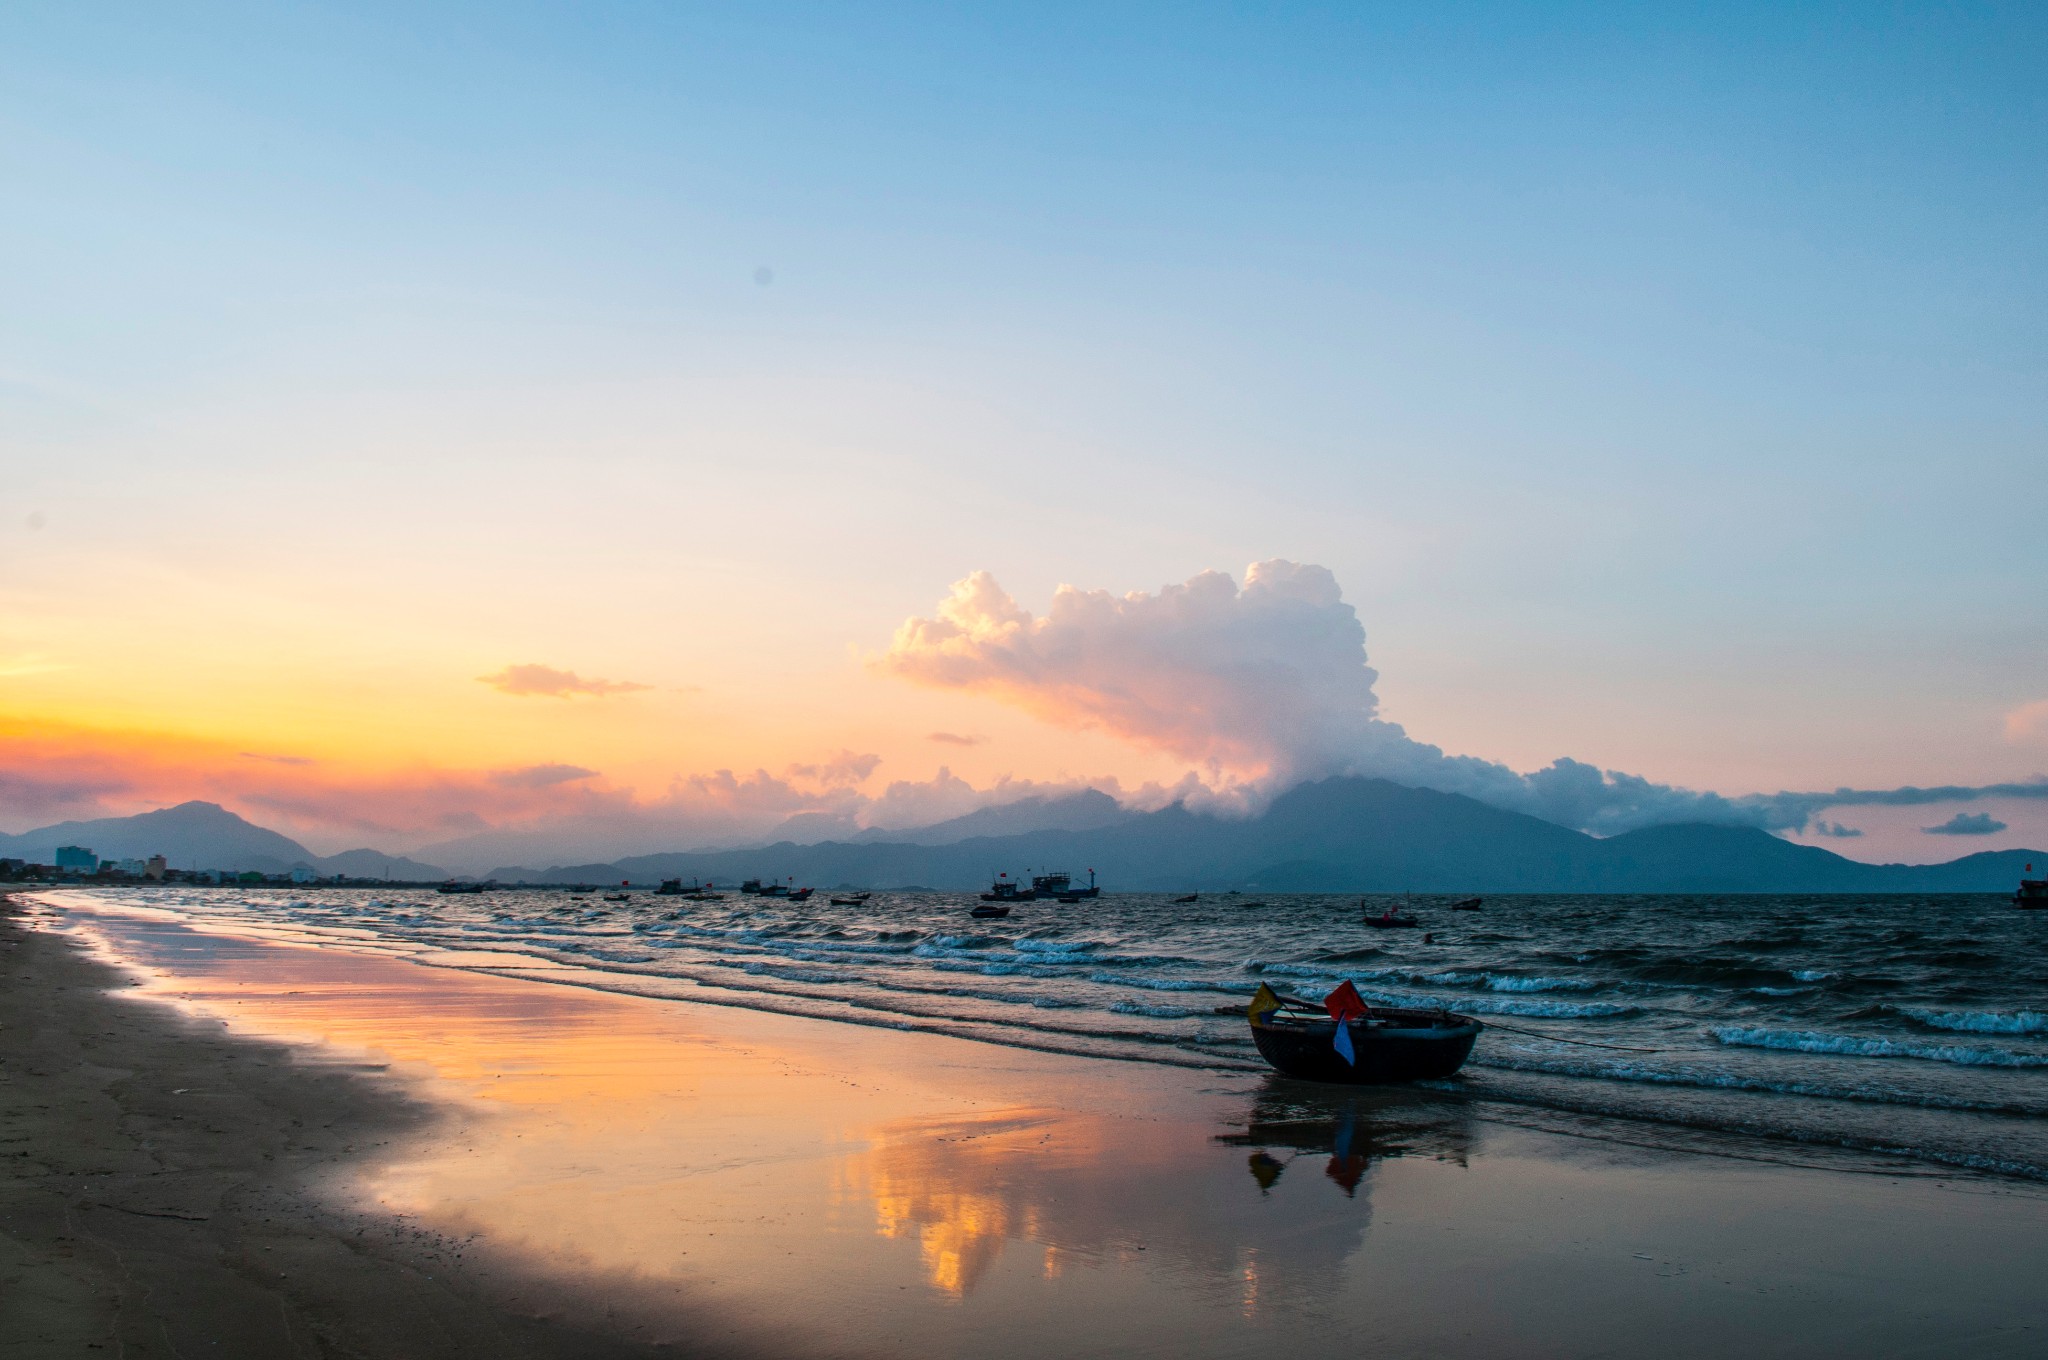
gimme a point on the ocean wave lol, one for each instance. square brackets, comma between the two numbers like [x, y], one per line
[1005, 968]
[1157, 1012]
[1165, 984]
[1499, 983]
[1257, 967]
[788, 974]
[1977, 1022]
[1624, 1070]
[1041, 946]
[1810, 1041]
[1557, 1010]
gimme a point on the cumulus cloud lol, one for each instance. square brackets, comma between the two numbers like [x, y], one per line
[1267, 684]
[955, 739]
[1258, 681]
[1835, 829]
[277, 760]
[531, 680]
[1967, 824]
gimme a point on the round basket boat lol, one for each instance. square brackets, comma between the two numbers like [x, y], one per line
[1390, 1045]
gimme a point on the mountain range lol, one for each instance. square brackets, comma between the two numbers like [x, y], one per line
[198, 835]
[1338, 835]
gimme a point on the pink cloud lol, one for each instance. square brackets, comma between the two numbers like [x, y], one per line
[1254, 681]
[531, 680]
[2028, 722]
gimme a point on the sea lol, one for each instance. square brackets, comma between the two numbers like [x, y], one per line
[1907, 1031]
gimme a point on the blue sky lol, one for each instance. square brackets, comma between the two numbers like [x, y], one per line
[1663, 384]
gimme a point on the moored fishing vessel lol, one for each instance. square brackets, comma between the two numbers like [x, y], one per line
[1005, 890]
[1344, 1040]
[1062, 886]
[2032, 894]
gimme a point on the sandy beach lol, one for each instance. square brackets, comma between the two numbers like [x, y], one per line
[230, 1145]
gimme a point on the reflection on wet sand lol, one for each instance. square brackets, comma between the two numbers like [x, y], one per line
[730, 1152]
[1352, 1125]
[875, 1190]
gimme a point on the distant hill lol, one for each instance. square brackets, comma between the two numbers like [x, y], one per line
[377, 864]
[1340, 835]
[1082, 811]
[198, 835]
[191, 835]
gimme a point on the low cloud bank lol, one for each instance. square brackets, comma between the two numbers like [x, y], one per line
[1265, 685]
[475, 820]
[1967, 824]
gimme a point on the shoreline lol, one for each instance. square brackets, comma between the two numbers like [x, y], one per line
[491, 1165]
[159, 1194]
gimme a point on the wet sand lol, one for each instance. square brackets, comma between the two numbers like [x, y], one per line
[164, 1191]
[324, 1151]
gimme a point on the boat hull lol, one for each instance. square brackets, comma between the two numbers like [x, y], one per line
[1416, 1049]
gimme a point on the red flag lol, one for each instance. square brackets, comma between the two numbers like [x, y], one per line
[1345, 1003]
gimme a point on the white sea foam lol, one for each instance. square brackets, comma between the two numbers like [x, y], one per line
[1854, 1046]
[1637, 1071]
[1157, 1012]
[1165, 984]
[1980, 1022]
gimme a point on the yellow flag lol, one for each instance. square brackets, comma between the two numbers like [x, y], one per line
[1264, 1003]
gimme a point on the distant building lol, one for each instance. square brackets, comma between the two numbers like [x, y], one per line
[77, 859]
[156, 866]
[303, 874]
[131, 867]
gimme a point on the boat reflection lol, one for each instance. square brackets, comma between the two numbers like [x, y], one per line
[1353, 1125]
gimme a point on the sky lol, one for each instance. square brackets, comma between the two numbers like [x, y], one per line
[444, 420]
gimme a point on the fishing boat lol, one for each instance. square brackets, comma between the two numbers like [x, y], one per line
[987, 911]
[618, 897]
[1389, 921]
[452, 887]
[848, 901]
[1005, 890]
[751, 886]
[773, 890]
[1183, 901]
[1468, 904]
[801, 894]
[1388, 1044]
[1062, 886]
[2032, 894]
